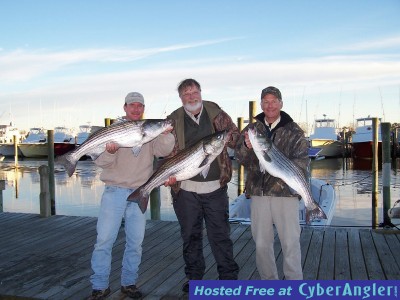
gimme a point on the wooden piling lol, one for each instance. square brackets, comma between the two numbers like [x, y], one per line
[15, 141]
[107, 122]
[374, 172]
[252, 111]
[45, 201]
[50, 157]
[155, 199]
[2, 188]
[395, 143]
[240, 123]
[386, 167]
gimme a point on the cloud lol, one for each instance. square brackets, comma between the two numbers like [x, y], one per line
[384, 43]
[22, 65]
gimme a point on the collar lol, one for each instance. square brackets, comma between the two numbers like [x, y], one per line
[197, 120]
[273, 125]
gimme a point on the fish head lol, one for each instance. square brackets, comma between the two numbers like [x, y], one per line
[259, 140]
[153, 127]
[215, 143]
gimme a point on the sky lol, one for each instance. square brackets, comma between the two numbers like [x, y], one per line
[69, 63]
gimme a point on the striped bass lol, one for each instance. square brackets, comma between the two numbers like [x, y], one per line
[184, 165]
[127, 134]
[273, 161]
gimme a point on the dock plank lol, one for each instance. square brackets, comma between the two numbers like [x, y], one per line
[49, 258]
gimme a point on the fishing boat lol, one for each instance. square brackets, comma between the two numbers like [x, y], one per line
[322, 192]
[326, 137]
[7, 133]
[36, 146]
[83, 133]
[362, 139]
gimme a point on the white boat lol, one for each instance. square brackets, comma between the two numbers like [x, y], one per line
[362, 139]
[35, 145]
[326, 137]
[7, 133]
[83, 134]
[322, 192]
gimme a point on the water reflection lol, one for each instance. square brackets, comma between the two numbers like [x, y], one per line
[80, 194]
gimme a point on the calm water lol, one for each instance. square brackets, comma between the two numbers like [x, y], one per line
[80, 194]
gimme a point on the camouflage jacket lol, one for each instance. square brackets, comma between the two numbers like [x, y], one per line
[289, 138]
[220, 121]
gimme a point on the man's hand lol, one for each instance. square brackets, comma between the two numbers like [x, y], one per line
[112, 147]
[171, 181]
[168, 130]
[247, 140]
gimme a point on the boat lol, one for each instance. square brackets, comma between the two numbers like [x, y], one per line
[7, 133]
[2, 157]
[326, 137]
[64, 140]
[362, 139]
[35, 145]
[322, 192]
[83, 134]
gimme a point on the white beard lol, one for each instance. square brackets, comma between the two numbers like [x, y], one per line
[193, 107]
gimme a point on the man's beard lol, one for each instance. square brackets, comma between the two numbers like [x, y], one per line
[193, 107]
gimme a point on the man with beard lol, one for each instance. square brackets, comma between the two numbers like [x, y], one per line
[199, 198]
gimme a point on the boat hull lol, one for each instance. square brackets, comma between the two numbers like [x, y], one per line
[40, 150]
[364, 150]
[322, 192]
[329, 148]
[8, 150]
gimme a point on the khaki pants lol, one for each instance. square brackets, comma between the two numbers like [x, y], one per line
[284, 213]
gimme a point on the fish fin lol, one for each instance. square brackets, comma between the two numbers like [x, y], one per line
[262, 169]
[205, 161]
[95, 153]
[141, 197]
[68, 162]
[266, 157]
[204, 173]
[316, 213]
[136, 150]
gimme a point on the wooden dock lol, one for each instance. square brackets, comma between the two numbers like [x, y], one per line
[49, 258]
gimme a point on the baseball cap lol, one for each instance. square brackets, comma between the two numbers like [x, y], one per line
[134, 97]
[273, 91]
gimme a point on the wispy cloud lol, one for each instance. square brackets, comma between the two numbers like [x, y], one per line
[22, 64]
[378, 44]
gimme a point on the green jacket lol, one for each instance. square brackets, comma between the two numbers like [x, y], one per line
[289, 138]
[220, 121]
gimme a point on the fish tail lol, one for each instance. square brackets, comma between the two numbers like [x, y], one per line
[68, 162]
[141, 197]
[316, 213]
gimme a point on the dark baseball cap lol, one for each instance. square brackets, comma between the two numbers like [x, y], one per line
[273, 91]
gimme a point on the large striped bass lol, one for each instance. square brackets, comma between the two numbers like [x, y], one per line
[273, 161]
[127, 134]
[184, 165]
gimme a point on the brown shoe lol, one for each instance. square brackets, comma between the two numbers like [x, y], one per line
[99, 294]
[131, 291]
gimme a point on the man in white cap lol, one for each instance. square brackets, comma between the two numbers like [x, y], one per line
[122, 174]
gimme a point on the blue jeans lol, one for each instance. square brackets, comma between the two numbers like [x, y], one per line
[113, 208]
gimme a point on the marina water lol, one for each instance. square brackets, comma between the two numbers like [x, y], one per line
[80, 194]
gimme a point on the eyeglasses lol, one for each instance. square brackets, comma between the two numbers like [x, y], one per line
[188, 95]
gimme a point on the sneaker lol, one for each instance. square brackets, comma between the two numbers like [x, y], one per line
[99, 294]
[131, 291]
[185, 287]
